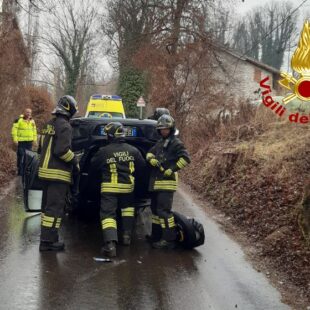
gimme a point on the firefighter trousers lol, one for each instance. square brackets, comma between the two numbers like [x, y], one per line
[53, 205]
[113, 206]
[163, 224]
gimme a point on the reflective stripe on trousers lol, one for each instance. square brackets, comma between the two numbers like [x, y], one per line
[53, 204]
[49, 221]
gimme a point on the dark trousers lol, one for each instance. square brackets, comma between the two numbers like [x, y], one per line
[111, 204]
[163, 225]
[53, 204]
[22, 146]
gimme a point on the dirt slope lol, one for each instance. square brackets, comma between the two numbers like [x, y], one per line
[259, 185]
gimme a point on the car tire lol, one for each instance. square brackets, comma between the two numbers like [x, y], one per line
[191, 233]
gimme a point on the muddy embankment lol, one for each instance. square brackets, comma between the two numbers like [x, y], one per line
[261, 185]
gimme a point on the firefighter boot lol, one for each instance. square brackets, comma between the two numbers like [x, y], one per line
[109, 249]
[156, 230]
[163, 244]
[51, 246]
[126, 238]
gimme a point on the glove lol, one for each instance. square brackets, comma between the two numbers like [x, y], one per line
[149, 156]
[168, 173]
[154, 162]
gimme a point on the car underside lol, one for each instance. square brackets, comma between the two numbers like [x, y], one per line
[88, 137]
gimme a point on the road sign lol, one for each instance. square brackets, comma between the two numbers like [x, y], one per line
[141, 102]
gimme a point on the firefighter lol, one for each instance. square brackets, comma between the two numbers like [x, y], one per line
[166, 157]
[24, 134]
[158, 113]
[117, 163]
[57, 163]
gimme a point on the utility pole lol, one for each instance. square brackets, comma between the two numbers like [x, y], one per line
[29, 28]
[29, 42]
[31, 36]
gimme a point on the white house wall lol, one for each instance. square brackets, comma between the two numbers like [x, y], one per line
[236, 77]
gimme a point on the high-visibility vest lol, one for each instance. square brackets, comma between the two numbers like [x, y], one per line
[24, 130]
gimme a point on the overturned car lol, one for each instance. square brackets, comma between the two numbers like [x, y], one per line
[88, 137]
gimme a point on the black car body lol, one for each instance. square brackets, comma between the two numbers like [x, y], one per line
[88, 137]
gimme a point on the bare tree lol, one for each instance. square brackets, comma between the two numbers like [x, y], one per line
[266, 33]
[246, 38]
[168, 41]
[131, 23]
[128, 24]
[219, 16]
[70, 33]
[241, 37]
[276, 42]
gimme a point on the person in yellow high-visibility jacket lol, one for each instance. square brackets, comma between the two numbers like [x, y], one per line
[24, 134]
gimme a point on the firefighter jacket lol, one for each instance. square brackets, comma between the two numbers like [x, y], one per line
[117, 163]
[171, 154]
[57, 158]
[24, 130]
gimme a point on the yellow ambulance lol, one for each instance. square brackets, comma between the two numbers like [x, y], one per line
[105, 106]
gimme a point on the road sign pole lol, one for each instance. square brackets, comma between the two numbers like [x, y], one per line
[141, 112]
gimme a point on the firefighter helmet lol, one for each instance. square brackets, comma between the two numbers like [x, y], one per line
[67, 106]
[165, 121]
[114, 130]
[159, 112]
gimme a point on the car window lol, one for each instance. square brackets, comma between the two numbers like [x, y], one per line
[105, 114]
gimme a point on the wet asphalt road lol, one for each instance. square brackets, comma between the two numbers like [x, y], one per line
[215, 276]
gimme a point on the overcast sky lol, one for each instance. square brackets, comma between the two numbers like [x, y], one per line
[243, 7]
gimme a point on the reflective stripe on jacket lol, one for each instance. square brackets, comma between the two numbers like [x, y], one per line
[117, 163]
[171, 154]
[57, 157]
[24, 130]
